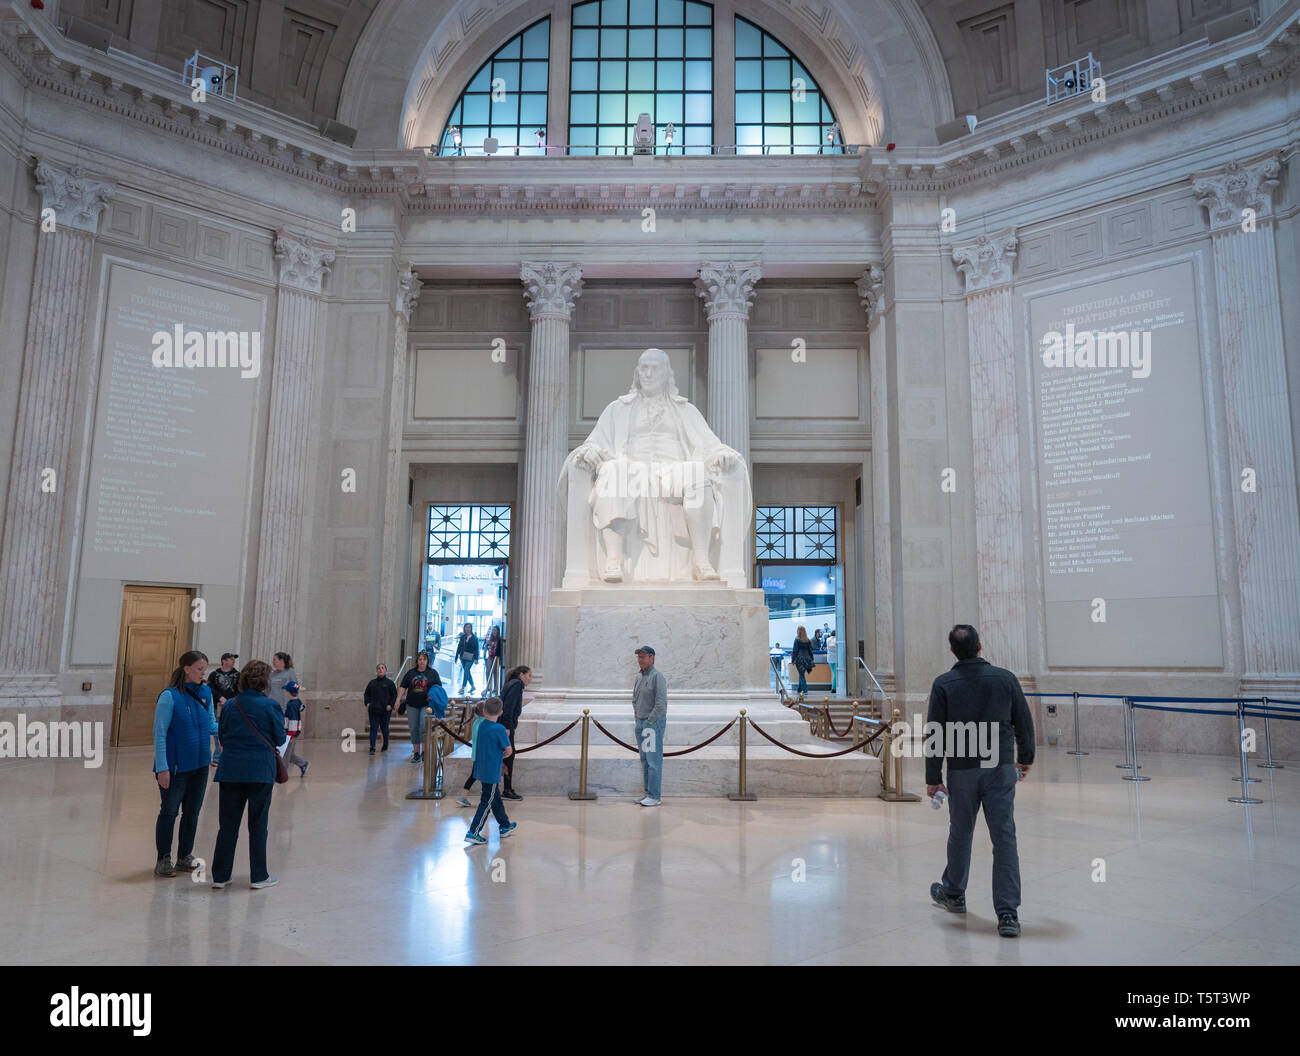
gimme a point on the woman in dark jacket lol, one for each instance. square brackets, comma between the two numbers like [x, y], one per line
[802, 658]
[252, 730]
[512, 703]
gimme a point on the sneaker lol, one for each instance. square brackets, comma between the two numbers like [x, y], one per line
[508, 829]
[303, 768]
[372, 751]
[413, 758]
[164, 866]
[648, 802]
[512, 794]
[463, 801]
[474, 837]
[270, 881]
[384, 748]
[952, 903]
[187, 863]
[1008, 926]
[219, 884]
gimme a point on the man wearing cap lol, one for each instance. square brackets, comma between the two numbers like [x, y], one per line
[650, 704]
[224, 683]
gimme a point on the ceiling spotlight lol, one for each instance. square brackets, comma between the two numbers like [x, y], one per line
[455, 138]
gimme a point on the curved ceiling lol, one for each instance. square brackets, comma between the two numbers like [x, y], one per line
[893, 68]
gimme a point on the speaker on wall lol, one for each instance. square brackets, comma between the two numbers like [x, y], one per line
[339, 132]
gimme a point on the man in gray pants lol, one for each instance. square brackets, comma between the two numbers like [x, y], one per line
[971, 702]
[650, 705]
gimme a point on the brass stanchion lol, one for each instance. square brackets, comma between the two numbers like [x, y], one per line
[886, 753]
[896, 794]
[743, 796]
[582, 792]
[431, 772]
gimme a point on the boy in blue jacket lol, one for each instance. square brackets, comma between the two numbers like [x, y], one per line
[491, 751]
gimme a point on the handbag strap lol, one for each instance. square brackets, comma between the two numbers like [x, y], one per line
[239, 708]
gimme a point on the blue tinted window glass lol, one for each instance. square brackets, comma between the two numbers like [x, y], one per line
[639, 103]
[586, 43]
[613, 12]
[670, 12]
[699, 76]
[699, 108]
[641, 12]
[582, 108]
[582, 77]
[586, 14]
[668, 107]
[749, 75]
[537, 41]
[532, 111]
[776, 108]
[670, 43]
[749, 108]
[670, 75]
[520, 69]
[792, 113]
[509, 50]
[749, 42]
[613, 43]
[507, 72]
[641, 44]
[699, 14]
[699, 43]
[475, 110]
[640, 76]
[613, 76]
[613, 108]
[533, 77]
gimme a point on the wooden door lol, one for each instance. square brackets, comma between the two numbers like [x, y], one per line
[155, 631]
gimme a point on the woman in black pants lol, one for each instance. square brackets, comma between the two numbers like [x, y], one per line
[251, 731]
[512, 703]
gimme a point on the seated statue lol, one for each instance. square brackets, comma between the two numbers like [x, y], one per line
[666, 498]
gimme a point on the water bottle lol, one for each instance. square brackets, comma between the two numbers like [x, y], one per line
[938, 799]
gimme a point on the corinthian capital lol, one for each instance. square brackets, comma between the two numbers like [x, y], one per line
[76, 198]
[728, 289]
[550, 288]
[987, 262]
[1228, 192]
[303, 264]
[871, 288]
[408, 291]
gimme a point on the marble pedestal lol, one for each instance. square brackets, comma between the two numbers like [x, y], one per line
[710, 642]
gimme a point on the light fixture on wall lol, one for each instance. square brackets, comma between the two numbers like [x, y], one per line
[455, 139]
[540, 134]
[669, 131]
[832, 130]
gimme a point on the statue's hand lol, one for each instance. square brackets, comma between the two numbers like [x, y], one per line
[588, 456]
[723, 459]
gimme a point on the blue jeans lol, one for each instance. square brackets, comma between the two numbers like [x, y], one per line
[184, 793]
[466, 674]
[415, 716]
[993, 787]
[803, 681]
[652, 762]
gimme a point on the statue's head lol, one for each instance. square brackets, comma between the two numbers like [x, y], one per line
[654, 374]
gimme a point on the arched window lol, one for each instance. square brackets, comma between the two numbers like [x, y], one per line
[505, 99]
[779, 108]
[630, 57]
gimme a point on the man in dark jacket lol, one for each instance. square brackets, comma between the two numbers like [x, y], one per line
[970, 703]
[380, 696]
[467, 656]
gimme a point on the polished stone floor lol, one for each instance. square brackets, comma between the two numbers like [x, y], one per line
[369, 877]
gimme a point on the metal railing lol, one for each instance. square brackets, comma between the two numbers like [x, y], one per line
[876, 687]
[741, 150]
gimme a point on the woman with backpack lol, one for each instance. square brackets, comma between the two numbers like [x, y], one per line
[802, 658]
[183, 728]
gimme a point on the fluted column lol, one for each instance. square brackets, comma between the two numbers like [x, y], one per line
[38, 481]
[551, 290]
[1239, 199]
[395, 509]
[986, 264]
[303, 266]
[871, 289]
[728, 292]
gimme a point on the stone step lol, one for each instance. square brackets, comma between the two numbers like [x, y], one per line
[711, 771]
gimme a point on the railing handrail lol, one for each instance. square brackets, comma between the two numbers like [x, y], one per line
[871, 675]
[714, 150]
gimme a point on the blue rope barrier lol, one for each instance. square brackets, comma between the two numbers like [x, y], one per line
[1090, 696]
[1189, 711]
[1200, 700]
[1271, 702]
[1266, 715]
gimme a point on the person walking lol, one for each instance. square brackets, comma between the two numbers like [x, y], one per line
[832, 656]
[183, 728]
[466, 656]
[380, 698]
[413, 699]
[985, 699]
[492, 649]
[492, 749]
[650, 705]
[251, 728]
[512, 703]
[801, 655]
[284, 689]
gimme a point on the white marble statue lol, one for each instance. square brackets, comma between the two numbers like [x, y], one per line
[655, 496]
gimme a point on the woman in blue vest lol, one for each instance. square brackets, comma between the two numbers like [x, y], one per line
[183, 727]
[252, 730]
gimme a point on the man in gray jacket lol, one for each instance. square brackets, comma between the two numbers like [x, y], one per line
[650, 704]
